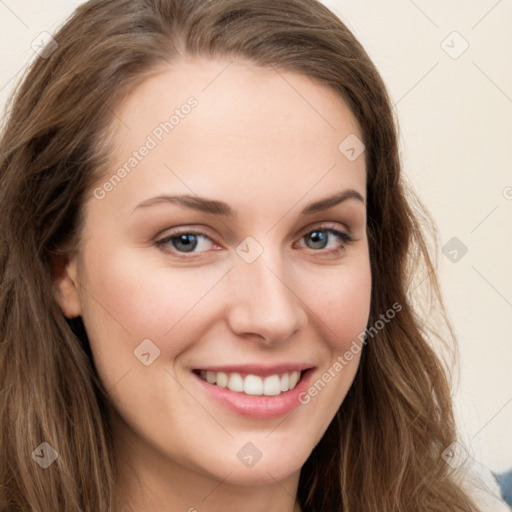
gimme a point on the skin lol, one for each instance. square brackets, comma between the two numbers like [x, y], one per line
[266, 143]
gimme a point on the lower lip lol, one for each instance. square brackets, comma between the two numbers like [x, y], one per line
[256, 406]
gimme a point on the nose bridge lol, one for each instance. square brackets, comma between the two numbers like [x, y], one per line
[264, 302]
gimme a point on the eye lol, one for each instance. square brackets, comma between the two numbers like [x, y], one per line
[321, 237]
[184, 242]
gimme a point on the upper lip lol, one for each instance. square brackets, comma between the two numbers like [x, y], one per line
[257, 369]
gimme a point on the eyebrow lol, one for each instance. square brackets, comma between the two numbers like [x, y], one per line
[220, 208]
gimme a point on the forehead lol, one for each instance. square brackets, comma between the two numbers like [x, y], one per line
[216, 127]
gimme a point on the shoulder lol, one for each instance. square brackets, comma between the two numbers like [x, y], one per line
[483, 487]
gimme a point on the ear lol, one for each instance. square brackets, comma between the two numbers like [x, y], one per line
[65, 278]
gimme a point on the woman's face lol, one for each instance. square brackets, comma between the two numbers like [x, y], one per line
[244, 282]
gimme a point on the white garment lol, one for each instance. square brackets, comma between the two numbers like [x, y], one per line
[483, 487]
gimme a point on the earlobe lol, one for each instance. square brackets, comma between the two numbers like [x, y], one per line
[66, 285]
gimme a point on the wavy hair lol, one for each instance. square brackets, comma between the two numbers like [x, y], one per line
[383, 449]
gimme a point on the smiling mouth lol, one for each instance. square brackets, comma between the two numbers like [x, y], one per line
[250, 384]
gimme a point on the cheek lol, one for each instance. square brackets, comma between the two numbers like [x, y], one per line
[128, 300]
[341, 306]
[341, 303]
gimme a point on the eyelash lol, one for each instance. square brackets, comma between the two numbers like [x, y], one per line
[344, 237]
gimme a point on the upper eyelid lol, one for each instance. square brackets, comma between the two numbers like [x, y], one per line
[325, 225]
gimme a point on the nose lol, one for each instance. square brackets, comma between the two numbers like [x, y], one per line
[263, 302]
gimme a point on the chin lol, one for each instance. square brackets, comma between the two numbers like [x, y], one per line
[275, 463]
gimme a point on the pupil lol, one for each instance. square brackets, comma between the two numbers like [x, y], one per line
[318, 237]
[188, 240]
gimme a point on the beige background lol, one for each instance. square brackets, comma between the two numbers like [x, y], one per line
[455, 113]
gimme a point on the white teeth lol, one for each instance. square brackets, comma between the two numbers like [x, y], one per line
[272, 385]
[236, 383]
[285, 382]
[222, 380]
[253, 385]
[294, 378]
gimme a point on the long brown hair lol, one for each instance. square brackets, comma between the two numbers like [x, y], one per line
[383, 450]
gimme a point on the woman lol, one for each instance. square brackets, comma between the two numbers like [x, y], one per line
[208, 260]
